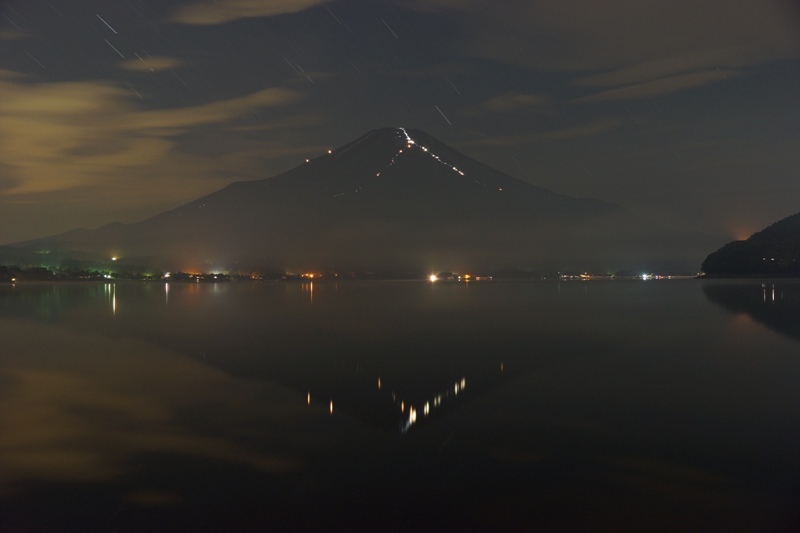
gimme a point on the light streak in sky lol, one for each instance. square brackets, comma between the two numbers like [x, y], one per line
[451, 85]
[11, 21]
[443, 115]
[115, 49]
[334, 16]
[390, 29]
[37, 61]
[107, 24]
[179, 78]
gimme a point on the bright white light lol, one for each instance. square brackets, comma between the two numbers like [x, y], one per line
[433, 277]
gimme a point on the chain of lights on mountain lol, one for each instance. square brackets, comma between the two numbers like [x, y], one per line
[410, 144]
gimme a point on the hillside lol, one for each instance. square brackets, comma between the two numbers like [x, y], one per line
[773, 251]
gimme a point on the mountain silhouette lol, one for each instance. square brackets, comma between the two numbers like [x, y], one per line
[771, 252]
[393, 199]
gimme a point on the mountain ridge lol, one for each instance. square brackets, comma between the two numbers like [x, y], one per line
[392, 197]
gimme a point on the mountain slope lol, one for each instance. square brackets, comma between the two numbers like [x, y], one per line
[393, 198]
[773, 251]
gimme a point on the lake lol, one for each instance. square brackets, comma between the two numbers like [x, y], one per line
[400, 406]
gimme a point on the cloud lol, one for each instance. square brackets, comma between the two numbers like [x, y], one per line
[213, 112]
[658, 87]
[64, 135]
[7, 180]
[517, 101]
[11, 75]
[586, 34]
[588, 129]
[11, 34]
[641, 48]
[222, 11]
[727, 58]
[151, 64]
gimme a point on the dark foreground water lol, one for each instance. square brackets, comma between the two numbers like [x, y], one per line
[409, 406]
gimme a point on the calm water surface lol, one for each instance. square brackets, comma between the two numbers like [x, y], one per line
[400, 406]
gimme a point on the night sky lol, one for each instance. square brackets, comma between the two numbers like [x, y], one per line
[684, 111]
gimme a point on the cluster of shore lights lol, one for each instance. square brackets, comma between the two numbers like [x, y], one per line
[433, 278]
[196, 276]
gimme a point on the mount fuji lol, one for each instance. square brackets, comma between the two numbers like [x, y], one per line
[394, 199]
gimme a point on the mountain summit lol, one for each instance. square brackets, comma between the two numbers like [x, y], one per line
[394, 198]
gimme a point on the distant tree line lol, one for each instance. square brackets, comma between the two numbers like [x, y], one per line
[40, 273]
[16, 273]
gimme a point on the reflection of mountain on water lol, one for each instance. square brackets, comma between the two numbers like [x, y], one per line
[776, 305]
[390, 367]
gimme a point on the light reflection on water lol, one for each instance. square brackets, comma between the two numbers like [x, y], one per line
[773, 303]
[524, 402]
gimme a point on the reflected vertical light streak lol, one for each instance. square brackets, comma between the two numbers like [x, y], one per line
[111, 294]
[166, 294]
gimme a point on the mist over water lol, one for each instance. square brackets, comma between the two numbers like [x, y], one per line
[399, 405]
